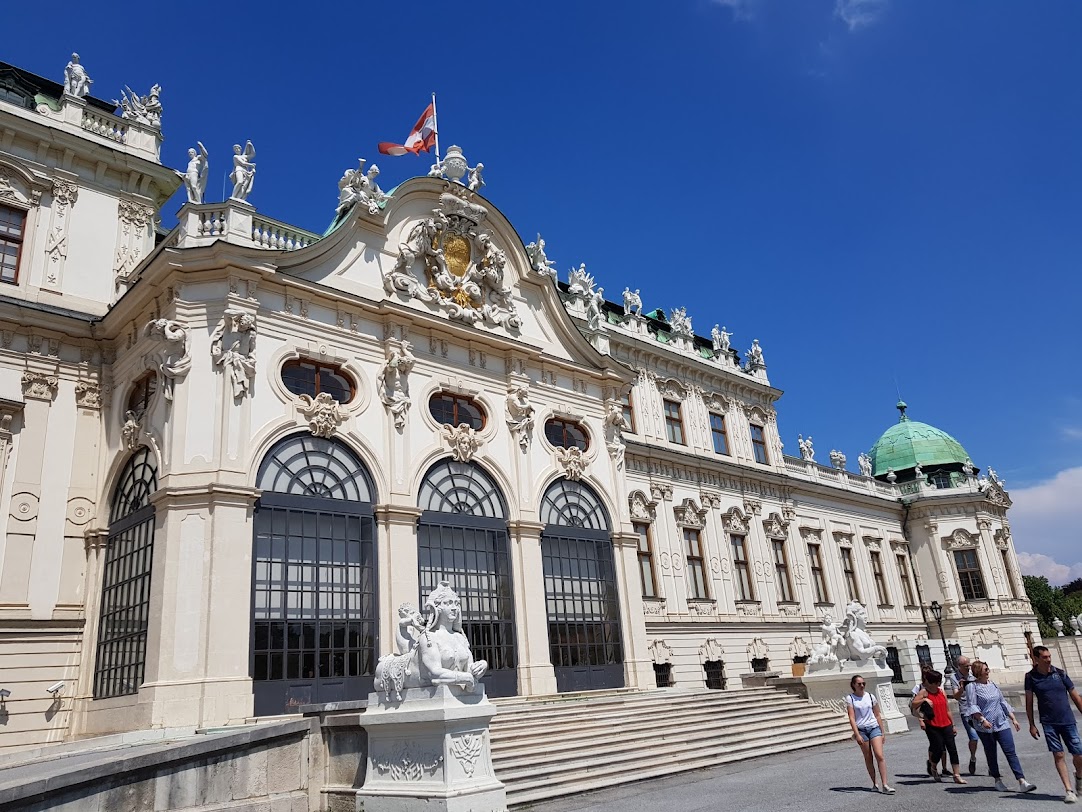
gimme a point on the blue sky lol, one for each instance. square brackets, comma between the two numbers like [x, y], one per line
[887, 194]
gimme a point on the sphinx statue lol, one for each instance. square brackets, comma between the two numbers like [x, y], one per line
[432, 648]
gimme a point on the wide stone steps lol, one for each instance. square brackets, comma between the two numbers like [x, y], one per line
[551, 747]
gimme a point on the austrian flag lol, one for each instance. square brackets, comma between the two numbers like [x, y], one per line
[421, 138]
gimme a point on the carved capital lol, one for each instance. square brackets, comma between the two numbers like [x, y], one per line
[39, 386]
[87, 395]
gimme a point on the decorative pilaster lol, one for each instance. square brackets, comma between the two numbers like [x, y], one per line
[65, 193]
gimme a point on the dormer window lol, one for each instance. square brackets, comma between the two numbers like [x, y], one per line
[452, 410]
[566, 434]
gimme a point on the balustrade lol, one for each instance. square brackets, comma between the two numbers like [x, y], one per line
[106, 126]
[272, 234]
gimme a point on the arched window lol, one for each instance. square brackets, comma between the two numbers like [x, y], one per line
[566, 434]
[314, 613]
[583, 609]
[142, 393]
[125, 589]
[462, 538]
[304, 377]
[453, 409]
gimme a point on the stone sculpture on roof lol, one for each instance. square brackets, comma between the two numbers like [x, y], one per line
[76, 80]
[865, 463]
[539, 260]
[243, 174]
[680, 322]
[594, 303]
[464, 270]
[358, 186]
[755, 356]
[721, 340]
[837, 459]
[632, 302]
[195, 176]
[807, 449]
[142, 109]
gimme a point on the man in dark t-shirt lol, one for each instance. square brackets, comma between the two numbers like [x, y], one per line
[1055, 692]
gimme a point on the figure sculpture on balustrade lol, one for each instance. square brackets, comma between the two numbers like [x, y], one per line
[755, 356]
[807, 449]
[141, 109]
[721, 340]
[243, 174]
[432, 648]
[76, 81]
[632, 302]
[195, 176]
[865, 463]
[358, 186]
[594, 302]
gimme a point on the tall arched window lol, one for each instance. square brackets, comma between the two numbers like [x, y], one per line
[125, 588]
[462, 538]
[314, 610]
[580, 589]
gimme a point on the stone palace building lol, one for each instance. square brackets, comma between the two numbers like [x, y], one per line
[231, 449]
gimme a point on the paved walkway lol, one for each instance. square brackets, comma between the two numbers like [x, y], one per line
[832, 778]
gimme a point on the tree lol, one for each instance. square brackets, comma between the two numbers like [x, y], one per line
[1051, 602]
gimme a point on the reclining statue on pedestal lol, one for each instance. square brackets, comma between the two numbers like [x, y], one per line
[432, 648]
[848, 640]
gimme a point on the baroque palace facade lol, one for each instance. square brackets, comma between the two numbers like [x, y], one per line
[233, 449]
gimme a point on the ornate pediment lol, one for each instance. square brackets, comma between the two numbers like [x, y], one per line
[711, 650]
[873, 543]
[960, 539]
[660, 652]
[672, 388]
[775, 526]
[735, 521]
[642, 508]
[451, 263]
[813, 535]
[843, 538]
[689, 514]
[758, 649]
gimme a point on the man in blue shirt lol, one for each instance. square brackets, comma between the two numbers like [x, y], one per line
[1055, 693]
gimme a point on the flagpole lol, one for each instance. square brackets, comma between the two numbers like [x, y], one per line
[436, 126]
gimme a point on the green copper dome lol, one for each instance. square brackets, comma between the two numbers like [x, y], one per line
[908, 442]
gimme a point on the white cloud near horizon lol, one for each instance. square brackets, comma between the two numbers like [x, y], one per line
[857, 14]
[1046, 523]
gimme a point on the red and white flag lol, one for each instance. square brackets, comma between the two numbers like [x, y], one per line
[421, 138]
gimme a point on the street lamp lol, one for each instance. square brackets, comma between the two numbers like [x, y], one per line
[937, 613]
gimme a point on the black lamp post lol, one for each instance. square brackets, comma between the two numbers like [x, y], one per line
[937, 613]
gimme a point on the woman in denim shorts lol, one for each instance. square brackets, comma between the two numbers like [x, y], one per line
[867, 724]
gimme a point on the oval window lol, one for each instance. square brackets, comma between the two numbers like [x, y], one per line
[455, 409]
[566, 434]
[303, 377]
[142, 393]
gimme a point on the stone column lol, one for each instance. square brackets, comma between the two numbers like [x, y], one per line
[95, 541]
[536, 676]
[396, 544]
[988, 551]
[638, 665]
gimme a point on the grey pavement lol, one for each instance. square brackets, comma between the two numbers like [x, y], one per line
[832, 777]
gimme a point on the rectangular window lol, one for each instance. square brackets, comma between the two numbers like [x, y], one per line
[881, 593]
[850, 573]
[1008, 573]
[715, 674]
[907, 582]
[646, 561]
[674, 425]
[924, 654]
[744, 590]
[629, 412]
[12, 226]
[663, 675]
[818, 579]
[717, 433]
[969, 575]
[693, 551]
[781, 569]
[758, 444]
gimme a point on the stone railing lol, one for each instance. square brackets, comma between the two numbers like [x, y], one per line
[836, 477]
[267, 233]
[76, 116]
[111, 127]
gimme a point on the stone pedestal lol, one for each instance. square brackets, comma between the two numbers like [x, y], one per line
[829, 685]
[430, 751]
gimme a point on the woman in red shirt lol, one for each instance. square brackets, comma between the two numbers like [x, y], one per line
[930, 704]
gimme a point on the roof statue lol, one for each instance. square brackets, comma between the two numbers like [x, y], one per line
[721, 340]
[864, 462]
[755, 356]
[141, 109]
[432, 648]
[579, 283]
[807, 450]
[358, 186]
[632, 302]
[594, 303]
[243, 174]
[680, 322]
[539, 260]
[195, 176]
[76, 80]
[475, 181]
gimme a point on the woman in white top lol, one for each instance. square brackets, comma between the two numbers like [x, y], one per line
[992, 716]
[867, 724]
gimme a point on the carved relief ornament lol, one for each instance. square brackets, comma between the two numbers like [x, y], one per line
[39, 385]
[775, 527]
[960, 539]
[464, 441]
[660, 652]
[571, 462]
[641, 508]
[711, 650]
[689, 514]
[87, 395]
[323, 412]
[758, 649]
[735, 521]
[660, 491]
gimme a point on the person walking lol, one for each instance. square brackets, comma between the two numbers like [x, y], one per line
[992, 716]
[931, 703]
[868, 730]
[1055, 692]
[962, 677]
[930, 765]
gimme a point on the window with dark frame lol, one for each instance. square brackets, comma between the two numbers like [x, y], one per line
[941, 479]
[1008, 571]
[894, 663]
[451, 409]
[969, 575]
[758, 444]
[566, 434]
[781, 569]
[303, 377]
[142, 393]
[646, 561]
[628, 412]
[924, 654]
[818, 579]
[674, 424]
[715, 674]
[663, 675]
[760, 665]
[696, 564]
[907, 582]
[744, 591]
[881, 593]
[850, 573]
[12, 231]
[718, 434]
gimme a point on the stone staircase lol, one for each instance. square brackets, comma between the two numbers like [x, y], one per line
[547, 747]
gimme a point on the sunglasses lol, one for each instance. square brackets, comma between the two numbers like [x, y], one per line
[859, 684]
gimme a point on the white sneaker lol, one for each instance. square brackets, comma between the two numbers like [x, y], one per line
[1000, 786]
[1025, 786]
[1070, 797]
[888, 790]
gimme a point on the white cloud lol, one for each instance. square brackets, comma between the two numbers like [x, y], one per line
[859, 13]
[743, 10]
[1072, 432]
[1046, 522]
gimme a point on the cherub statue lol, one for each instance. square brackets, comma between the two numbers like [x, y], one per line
[475, 180]
[827, 650]
[632, 302]
[539, 260]
[243, 174]
[195, 176]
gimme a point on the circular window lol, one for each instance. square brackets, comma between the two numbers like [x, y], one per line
[309, 378]
[455, 409]
[566, 434]
[142, 393]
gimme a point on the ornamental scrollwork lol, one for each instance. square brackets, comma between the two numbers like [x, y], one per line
[323, 412]
[407, 763]
[572, 461]
[463, 440]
